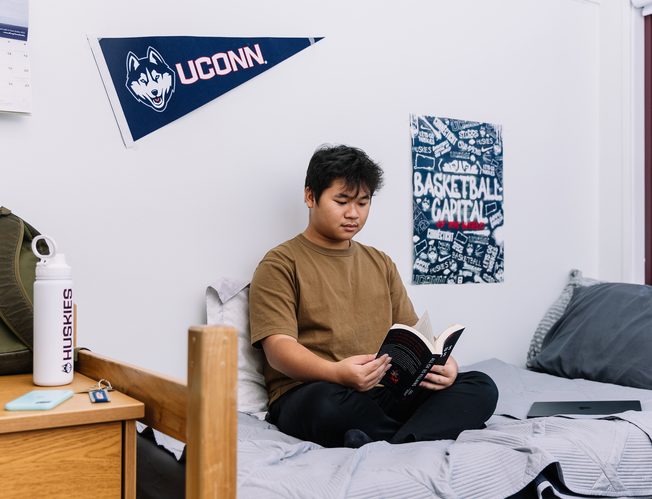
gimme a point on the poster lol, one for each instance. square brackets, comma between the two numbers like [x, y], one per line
[457, 186]
[152, 81]
[15, 81]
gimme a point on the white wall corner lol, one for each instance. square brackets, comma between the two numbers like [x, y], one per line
[634, 257]
[620, 197]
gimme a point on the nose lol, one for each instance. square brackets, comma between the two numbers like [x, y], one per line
[352, 211]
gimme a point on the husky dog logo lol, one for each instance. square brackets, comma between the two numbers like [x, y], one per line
[150, 80]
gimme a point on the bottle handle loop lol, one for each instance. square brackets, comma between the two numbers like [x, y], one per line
[49, 242]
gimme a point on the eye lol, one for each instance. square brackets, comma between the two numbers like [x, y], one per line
[143, 81]
[341, 203]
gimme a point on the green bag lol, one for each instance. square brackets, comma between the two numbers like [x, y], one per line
[17, 274]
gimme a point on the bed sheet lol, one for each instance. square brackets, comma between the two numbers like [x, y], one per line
[520, 387]
[566, 457]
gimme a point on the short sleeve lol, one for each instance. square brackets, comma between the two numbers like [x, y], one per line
[272, 300]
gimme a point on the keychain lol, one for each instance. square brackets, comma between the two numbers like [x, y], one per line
[100, 391]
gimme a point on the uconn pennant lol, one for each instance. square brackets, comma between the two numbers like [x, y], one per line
[152, 81]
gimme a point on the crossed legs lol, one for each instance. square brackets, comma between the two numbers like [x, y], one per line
[323, 412]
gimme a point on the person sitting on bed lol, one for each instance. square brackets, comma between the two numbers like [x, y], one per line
[320, 306]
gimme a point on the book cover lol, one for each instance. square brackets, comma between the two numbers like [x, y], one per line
[413, 353]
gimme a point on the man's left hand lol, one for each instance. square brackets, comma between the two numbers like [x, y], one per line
[441, 377]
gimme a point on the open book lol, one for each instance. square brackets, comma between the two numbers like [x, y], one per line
[414, 350]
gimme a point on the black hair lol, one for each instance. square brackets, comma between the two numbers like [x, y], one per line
[351, 164]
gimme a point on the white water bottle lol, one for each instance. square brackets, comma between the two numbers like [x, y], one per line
[53, 317]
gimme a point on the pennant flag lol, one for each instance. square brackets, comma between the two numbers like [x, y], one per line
[152, 81]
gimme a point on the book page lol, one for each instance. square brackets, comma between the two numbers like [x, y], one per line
[447, 339]
[424, 326]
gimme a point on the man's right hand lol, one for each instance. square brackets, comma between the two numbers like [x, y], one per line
[362, 372]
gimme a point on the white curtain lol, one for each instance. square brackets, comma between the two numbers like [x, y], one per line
[644, 5]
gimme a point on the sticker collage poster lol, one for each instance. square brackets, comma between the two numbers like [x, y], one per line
[457, 187]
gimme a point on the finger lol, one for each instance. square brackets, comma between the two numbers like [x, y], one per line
[431, 386]
[380, 359]
[437, 379]
[375, 376]
[372, 380]
[375, 370]
[448, 372]
[384, 359]
[380, 372]
[364, 358]
[378, 363]
[438, 370]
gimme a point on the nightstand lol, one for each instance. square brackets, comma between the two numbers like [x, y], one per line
[76, 450]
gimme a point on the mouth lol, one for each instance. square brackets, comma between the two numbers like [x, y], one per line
[350, 227]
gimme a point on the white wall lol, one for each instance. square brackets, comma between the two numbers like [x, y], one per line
[147, 229]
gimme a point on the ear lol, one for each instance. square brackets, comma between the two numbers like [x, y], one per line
[309, 197]
[153, 56]
[132, 62]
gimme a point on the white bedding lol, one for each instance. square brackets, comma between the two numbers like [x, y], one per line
[565, 456]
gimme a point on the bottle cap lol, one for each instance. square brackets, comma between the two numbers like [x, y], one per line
[52, 265]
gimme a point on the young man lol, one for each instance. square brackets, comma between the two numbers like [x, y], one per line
[320, 306]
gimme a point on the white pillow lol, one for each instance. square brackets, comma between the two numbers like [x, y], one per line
[227, 303]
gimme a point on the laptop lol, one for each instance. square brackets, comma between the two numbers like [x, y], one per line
[585, 407]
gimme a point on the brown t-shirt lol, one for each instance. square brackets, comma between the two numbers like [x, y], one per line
[336, 303]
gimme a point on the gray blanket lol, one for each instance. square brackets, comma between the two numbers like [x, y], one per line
[590, 457]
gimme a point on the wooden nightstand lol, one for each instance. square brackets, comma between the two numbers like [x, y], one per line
[76, 450]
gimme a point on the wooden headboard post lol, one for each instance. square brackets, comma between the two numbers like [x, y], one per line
[201, 413]
[212, 419]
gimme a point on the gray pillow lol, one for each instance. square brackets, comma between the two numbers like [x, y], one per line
[605, 334]
[556, 310]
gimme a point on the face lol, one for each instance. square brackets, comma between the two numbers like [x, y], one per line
[340, 214]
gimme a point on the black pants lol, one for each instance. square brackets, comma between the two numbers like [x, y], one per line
[322, 412]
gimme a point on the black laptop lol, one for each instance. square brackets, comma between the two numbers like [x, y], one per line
[587, 407]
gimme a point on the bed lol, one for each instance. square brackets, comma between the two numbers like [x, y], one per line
[592, 344]
[610, 457]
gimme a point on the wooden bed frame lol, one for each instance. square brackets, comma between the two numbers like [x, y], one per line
[202, 414]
